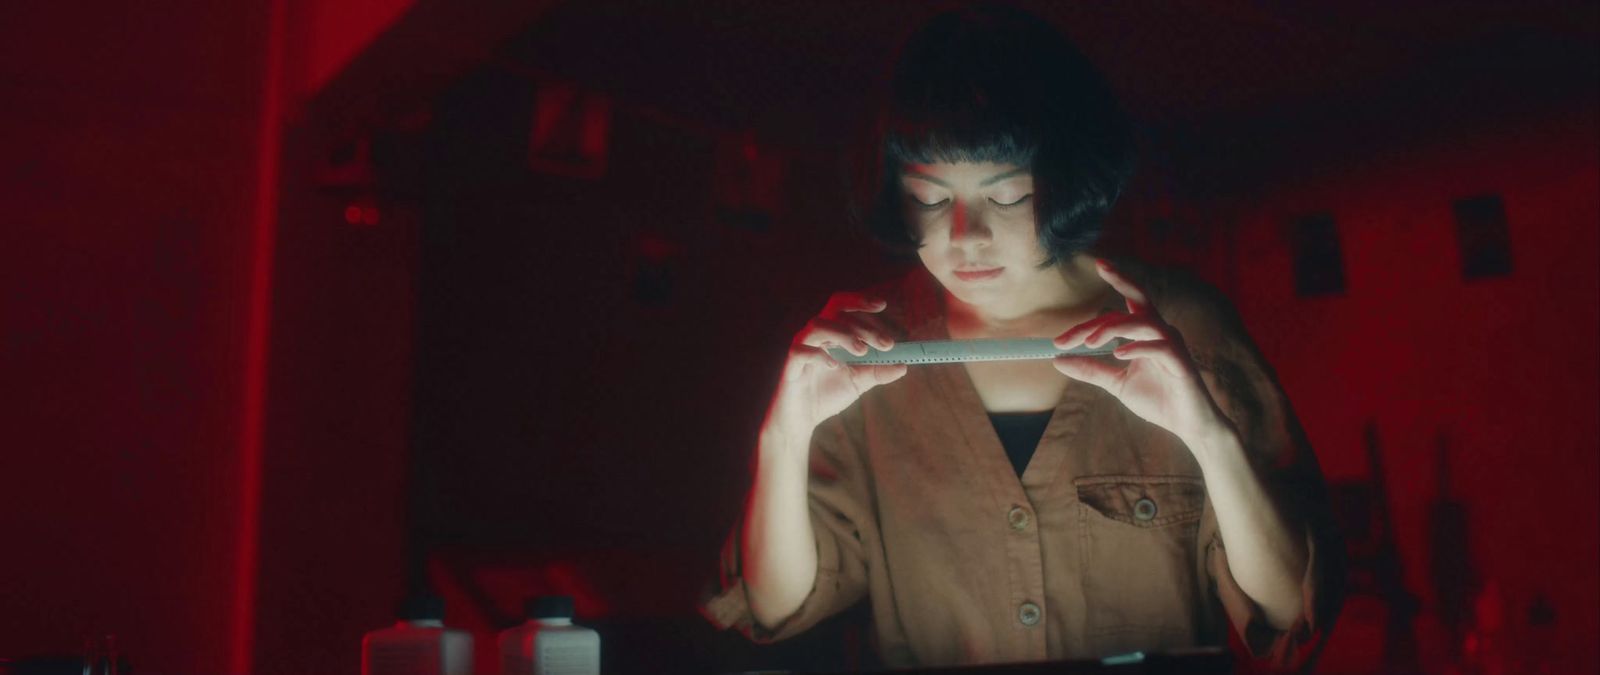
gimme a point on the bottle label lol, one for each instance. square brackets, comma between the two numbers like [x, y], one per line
[560, 657]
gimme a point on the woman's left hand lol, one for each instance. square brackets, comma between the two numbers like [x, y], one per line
[1160, 382]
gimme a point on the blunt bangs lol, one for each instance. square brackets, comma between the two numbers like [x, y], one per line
[996, 84]
[964, 136]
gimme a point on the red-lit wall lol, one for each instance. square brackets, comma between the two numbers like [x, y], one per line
[131, 193]
[1504, 368]
[335, 454]
[129, 183]
[336, 31]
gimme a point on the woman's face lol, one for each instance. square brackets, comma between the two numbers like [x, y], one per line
[978, 228]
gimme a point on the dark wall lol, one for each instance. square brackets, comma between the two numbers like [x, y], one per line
[604, 344]
[595, 357]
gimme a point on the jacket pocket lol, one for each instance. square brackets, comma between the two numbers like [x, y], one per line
[1137, 537]
[1144, 501]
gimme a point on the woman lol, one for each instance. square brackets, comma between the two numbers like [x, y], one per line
[1149, 500]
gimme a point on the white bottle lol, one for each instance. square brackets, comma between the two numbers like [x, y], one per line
[418, 644]
[548, 643]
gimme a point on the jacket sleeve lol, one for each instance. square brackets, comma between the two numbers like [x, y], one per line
[841, 521]
[1244, 386]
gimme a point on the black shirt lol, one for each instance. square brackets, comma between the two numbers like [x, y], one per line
[1020, 434]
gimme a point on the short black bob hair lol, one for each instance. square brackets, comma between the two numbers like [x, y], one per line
[993, 83]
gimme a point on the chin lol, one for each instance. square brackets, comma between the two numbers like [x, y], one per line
[973, 296]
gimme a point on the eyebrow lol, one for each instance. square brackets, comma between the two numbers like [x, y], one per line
[985, 183]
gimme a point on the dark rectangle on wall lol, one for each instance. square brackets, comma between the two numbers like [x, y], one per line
[1318, 259]
[1482, 237]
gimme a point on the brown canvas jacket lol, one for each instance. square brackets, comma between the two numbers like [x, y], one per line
[1107, 544]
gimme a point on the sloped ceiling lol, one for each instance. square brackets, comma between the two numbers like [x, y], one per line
[1174, 62]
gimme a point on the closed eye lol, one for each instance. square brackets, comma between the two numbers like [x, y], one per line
[1019, 201]
[929, 207]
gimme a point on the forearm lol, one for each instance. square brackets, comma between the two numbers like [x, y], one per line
[1266, 553]
[778, 548]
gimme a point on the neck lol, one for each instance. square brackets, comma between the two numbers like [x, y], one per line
[1040, 307]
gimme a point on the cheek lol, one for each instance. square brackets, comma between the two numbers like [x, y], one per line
[1018, 231]
[931, 260]
[924, 223]
[929, 229]
[1022, 243]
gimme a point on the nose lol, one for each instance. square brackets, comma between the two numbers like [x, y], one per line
[969, 228]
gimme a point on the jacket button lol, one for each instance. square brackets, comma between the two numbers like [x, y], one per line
[1018, 517]
[1029, 614]
[1144, 509]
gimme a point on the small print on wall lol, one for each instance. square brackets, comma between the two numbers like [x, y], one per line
[571, 129]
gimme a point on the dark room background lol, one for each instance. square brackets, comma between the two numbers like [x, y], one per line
[308, 303]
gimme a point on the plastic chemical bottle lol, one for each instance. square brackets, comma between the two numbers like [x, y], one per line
[417, 644]
[548, 643]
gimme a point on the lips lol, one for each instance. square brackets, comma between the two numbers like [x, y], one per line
[979, 274]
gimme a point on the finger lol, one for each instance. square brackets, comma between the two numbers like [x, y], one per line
[1131, 292]
[1158, 351]
[1089, 369]
[822, 332]
[1129, 326]
[884, 331]
[854, 302]
[804, 359]
[856, 338]
[892, 372]
[867, 377]
[868, 305]
[1075, 335]
[867, 327]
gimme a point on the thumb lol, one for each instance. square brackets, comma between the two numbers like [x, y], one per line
[1088, 369]
[890, 373]
[872, 376]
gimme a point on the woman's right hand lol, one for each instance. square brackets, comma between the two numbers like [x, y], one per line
[814, 386]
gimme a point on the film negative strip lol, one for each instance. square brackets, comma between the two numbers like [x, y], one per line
[964, 351]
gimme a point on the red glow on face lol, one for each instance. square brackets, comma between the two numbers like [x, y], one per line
[369, 216]
[352, 214]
